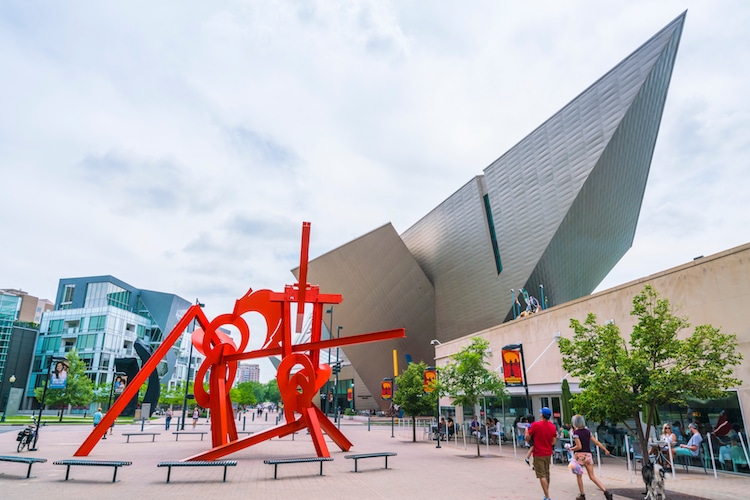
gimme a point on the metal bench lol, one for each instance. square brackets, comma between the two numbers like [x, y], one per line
[92, 463]
[276, 461]
[359, 456]
[199, 463]
[180, 433]
[152, 434]
[23, 460]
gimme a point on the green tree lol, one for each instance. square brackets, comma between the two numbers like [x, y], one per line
[272, 393]
[622, 381]
[172, 396]
[410, 395]
[100, 393]
[243, 394]
[467, 377]
[78, 389]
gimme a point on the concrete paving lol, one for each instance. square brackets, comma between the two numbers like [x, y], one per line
[420, 471]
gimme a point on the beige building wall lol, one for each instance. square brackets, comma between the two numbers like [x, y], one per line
[709, 290]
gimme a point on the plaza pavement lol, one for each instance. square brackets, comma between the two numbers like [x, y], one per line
[420, 471]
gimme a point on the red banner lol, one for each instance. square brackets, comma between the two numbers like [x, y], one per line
[349, 393]
[512, 372]
[430, 378]
[386, 389]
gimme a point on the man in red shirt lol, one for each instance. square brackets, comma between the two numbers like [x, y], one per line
[542, 435]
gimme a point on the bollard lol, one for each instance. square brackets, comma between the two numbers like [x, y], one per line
[368, 423]
[266, 416]
[244, 421]
[253, 414]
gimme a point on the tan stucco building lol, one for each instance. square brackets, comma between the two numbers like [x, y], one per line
[709, 290]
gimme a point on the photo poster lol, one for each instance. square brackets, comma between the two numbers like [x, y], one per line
[58, 377]
[121, 382]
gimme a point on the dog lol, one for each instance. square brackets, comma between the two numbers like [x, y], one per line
[653, 477]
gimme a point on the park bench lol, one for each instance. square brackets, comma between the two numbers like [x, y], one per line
[360, 456]
[180, 433]
[92, 463]
[23, 460]
[276, 461]
[152, 434]
[199, 463]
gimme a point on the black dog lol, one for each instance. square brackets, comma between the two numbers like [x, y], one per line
[653, 477]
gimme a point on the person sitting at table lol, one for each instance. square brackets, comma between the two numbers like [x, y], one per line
[693, 446]
[451, 427]
[661, 450]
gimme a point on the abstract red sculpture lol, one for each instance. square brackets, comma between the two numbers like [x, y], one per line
[300, 374]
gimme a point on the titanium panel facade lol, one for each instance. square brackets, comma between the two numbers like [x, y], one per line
[579, 180]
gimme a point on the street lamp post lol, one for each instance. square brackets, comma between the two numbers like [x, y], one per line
[330, 334]
[187, 378]
[336, 380]
[12, 381]
[435, 343]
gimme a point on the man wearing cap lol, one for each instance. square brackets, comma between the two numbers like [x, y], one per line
[693, 446]
[544, 435]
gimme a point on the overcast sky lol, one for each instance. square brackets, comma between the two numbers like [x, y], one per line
[179, 146]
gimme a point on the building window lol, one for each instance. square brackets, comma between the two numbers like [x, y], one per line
[68, 293]
[55, 326]
[97, 323]
[87, 341]
[51, 344]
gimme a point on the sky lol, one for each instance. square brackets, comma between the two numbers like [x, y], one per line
[179, 146]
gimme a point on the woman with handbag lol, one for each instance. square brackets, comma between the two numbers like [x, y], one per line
[582, 454]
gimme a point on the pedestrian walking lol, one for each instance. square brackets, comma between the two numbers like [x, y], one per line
[544, 435]
[98, 418]
[168, 418]
[196, 415]
[581, 449]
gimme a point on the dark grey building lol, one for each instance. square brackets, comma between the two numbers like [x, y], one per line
[554, 215]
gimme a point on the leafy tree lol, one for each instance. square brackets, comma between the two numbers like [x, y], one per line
[172, 396]
[466, 378]
[272, 393]
[244, 394]
[78, 389]
[622, 381]
[100, 393]
[410, 395]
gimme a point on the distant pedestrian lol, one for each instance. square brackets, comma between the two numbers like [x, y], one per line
[98, 418]
[196, 415]
[544, 435]
[582, 453]
[168, 418]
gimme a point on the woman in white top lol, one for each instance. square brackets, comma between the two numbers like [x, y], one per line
[667, 440]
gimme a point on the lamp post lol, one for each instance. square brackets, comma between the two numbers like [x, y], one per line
[336, 380]
[330, 334]
[519, 346]
[435, 343]
[12, 381]
[187, 378]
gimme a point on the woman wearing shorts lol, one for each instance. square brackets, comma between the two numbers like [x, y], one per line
[582, 453]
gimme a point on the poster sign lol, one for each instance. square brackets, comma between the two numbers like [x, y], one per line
[386, 389]
[430, 378]
[349, 394]
[121, 381]
[512, 373]
[58, 378]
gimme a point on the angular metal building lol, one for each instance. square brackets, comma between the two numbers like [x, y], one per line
[581, 177]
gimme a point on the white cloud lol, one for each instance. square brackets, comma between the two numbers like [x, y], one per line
[180, 147]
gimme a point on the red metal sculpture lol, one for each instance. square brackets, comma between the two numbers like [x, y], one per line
[300, 375]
